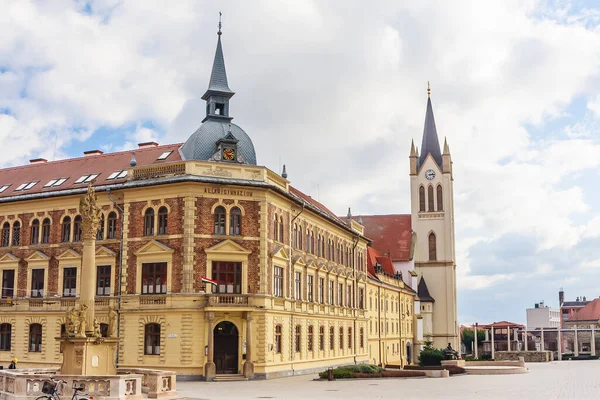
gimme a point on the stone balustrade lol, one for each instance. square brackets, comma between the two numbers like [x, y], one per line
[157, 384]
[528, 356]
[26, 384]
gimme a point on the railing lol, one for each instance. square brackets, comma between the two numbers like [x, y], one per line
[67, 302]
[152, 300]
[228, 300]
[156, 171]
[155, 383]
[6, 303]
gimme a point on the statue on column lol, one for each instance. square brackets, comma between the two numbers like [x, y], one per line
[90, 213]
[81, 318]
[70, 321]
[97, 332]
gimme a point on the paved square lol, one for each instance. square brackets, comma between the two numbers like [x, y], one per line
[558, 380]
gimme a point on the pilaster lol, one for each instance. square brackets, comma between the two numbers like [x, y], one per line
[189, 224]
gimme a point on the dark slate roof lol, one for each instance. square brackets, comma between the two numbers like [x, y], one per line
[202, 145]
[574, 303]
[391, 234]
[423, 291]
[430, 144]
[218, 76]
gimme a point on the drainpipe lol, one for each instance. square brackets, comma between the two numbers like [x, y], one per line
[120, 273]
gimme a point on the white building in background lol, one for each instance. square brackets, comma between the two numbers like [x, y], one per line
[542, 316]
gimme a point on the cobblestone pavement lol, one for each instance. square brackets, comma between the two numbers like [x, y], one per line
[558, 380]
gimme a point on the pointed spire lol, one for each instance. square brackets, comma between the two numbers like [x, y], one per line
[446, 148]
[284, 173]
[413, 152]
[218, 77]
[349, 213]
[430, 143]
[417, 150]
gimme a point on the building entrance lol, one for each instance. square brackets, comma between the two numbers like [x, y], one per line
[226, 348]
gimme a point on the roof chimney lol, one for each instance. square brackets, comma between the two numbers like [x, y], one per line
[147, 145]
[92, 153]
[584, 298]
[38, 161]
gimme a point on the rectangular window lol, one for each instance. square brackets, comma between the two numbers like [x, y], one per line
[341, 338]
[321, 338]
[154, 278]
[228, 276]
[298, 281]
[8, 283]
[37, 283]
[341, 294]
[331, 294]
[5, 335]
[321, 290]
[361, 298]
[278, 339]
[349, 338]
[164, 155]
[309, 285]
[349, 294]
[298, 338]
[103, 280]
[331, 338]
[310, 338]
[362, 338]
[278, 282]
[69, 281]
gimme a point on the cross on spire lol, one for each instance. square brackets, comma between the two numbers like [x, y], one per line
[219, 32]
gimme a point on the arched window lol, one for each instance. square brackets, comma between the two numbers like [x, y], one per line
[149, 222]
[276, 228]
[307, 241]
[341, 338]
[235, 221]
[5, 335]
[321, 338]
[66, 229]
[331, 338]
[46, 231]
[310, 338]
[5, 234]
[312, 242]
[152, 339]
[35, 231]
[421, 198]
[281, 228]
[349, 338]
[295, 236]
[112, 225]
[163, 213]
[16, 239]
[430, 201]
[432, 247]
[35, 338]
[440, 198]
[298, 338]
[300, 237]
[220, 220]
[77, 229]
[277, 338]
[100, 231]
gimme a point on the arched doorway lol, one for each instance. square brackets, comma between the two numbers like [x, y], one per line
[408, 353]
[226, 348]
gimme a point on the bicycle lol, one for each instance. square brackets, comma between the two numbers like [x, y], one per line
[52, 387]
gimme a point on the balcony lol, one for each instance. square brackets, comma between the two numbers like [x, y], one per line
[228, 300]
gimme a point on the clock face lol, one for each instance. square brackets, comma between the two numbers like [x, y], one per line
[229, 154]
[430, 174]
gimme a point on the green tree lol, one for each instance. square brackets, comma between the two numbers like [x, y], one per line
[468, 336]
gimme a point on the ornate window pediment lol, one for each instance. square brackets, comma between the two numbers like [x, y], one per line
[154, 247]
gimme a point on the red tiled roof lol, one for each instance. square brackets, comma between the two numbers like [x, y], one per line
[591, 312]
[503, 324]
[373, 257]
[315, 203]
[391, 234]
[73, 168]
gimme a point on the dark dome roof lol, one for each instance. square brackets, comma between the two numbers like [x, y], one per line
[202, 145]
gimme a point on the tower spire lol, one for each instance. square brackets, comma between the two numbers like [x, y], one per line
[430, 143]
[219, 31]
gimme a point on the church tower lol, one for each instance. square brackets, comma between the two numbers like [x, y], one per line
[432, 219]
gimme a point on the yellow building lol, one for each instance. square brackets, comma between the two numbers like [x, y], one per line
[214, 265]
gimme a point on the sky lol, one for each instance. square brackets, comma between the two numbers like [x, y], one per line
[336, 90]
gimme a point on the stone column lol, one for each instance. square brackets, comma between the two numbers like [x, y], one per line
[508, 338]
[493, 345]
[576, 343]
[560, 346]
[249, 364]
[210, 369]
[475, 350]
[487, 335]
[543, 347]
[90, 220]
[593, 342]
[526, 341]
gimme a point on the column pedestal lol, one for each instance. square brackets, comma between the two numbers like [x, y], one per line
[248, 364]
[88, 356]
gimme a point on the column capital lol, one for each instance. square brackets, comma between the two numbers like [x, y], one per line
[210, 316]
[248, 316]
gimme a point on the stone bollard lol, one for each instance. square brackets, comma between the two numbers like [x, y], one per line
[329, 374]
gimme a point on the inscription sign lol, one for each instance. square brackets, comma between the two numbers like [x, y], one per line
[228, 192]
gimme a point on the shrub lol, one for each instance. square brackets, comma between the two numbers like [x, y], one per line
[431, 357]
[350, 371]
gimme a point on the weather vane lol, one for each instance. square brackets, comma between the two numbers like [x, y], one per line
[428, 90]
[219, 32]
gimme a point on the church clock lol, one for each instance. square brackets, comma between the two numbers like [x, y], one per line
[228, 154]
[430, 174]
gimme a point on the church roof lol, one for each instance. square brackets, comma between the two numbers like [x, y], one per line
[423, 291]
[591, 312]
[100, 167]
[430, 143]
[391, 234]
